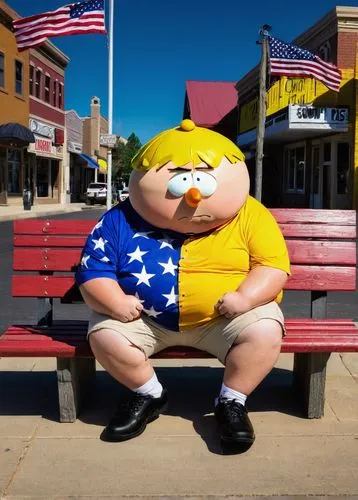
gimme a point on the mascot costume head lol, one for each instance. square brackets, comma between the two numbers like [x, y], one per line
[188, 179]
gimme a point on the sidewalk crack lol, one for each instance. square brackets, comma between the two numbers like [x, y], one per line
[348, 370]
[20, 460]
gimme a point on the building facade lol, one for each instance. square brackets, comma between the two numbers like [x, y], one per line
[311, 133]
[46, 157]
[14, 107]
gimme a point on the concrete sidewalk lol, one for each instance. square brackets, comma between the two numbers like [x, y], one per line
[179, 455]
[13, 212]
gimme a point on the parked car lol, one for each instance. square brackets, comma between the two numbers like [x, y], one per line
[96, 193]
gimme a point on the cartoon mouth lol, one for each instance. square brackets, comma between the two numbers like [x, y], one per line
[196, 218]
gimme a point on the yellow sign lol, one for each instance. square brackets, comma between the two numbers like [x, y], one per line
[297, 91]
[102, 166]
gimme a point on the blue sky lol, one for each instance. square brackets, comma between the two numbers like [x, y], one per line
[159, 44]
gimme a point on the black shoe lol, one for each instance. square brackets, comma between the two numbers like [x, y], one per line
[234, 424]
[132, 416]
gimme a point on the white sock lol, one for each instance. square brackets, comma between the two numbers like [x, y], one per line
[151, 388]
[228, 393]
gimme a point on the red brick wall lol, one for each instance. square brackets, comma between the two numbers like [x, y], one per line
[347, 43]
[42, 109]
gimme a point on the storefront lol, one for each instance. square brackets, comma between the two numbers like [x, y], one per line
[45, 164]
[14, 139]
[310, 148]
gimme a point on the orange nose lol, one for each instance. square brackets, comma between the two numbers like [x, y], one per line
[193, 197]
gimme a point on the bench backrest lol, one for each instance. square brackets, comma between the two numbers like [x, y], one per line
[321, 243]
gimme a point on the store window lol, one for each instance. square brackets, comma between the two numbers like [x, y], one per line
[14, 171]
[325, 52]
[47, 88]
[38, 84]
[343, 167]
[43, 177]
[2, 70]
[18, 77]
[295, 170]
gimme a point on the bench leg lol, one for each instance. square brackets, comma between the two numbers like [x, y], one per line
[74, 378]
[309, 380]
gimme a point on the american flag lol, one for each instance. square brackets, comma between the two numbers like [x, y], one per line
[290, 60]
[73, 19]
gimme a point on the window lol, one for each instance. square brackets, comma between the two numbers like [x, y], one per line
[54, 93]
[47, 88]
[14, 169]
[295, 170]
[325, 52]
[60, 96]
[2, 70]
[31, 81]
[343, 169]
[38, 84]
[18, 77]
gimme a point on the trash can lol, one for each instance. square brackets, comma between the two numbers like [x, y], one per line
[27, 199]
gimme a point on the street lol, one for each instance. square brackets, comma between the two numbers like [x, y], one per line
[23, 310]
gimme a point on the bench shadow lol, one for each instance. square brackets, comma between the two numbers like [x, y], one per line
[192, 391]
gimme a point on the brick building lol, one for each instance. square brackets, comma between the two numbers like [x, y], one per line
[46, 157]
[311, 133]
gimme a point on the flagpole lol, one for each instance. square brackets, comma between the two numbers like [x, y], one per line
[260, 135]
[110, 103]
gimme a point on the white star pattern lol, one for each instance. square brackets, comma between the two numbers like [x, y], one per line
[143, 277]
[97, 226]
[105, 259]
[143, 234]
[136, 255]
[85, 260]
[166, 242]
[172, 297]
[169, 267]
[99, 243]
[152, 312]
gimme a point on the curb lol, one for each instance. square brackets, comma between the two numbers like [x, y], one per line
[35, 215]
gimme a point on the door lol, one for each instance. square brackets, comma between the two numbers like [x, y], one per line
[343, 184]
[317, 178]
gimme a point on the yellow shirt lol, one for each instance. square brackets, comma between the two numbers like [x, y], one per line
[217, 263]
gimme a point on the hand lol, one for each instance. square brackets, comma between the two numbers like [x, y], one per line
[232, 304]
[129, 309]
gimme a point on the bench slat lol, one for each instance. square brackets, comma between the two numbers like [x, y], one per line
[303, 278]
[314, 216]
[318, 231]
[49, 241]
[301, 252]
[312, 252]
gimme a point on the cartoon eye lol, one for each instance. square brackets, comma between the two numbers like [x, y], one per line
[180, 183]
[206, 183]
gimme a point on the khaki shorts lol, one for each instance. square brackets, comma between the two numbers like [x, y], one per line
[215, 337]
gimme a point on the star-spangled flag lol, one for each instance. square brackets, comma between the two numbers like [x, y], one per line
[72, 19]
[290, 60]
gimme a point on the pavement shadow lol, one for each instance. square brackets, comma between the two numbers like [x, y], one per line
[192, 391]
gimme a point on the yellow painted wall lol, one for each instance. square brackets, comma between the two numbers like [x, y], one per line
[299, 91]
[13, 108]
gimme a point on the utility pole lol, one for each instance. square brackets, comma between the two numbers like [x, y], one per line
[260, 135]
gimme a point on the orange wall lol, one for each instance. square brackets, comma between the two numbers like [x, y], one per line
[13, 108]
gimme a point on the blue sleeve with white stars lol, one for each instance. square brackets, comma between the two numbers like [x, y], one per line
[101, 252]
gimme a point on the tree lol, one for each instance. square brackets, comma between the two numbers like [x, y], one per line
[122, 157]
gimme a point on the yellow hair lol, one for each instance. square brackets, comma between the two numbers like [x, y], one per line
[186, 144]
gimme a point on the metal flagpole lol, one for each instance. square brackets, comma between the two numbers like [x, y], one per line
[264, 31]
[110, 103]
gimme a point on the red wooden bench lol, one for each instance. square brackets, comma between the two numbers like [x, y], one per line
[322, 248]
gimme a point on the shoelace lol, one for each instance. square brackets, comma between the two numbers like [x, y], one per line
[233, 409]
[133, 404]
